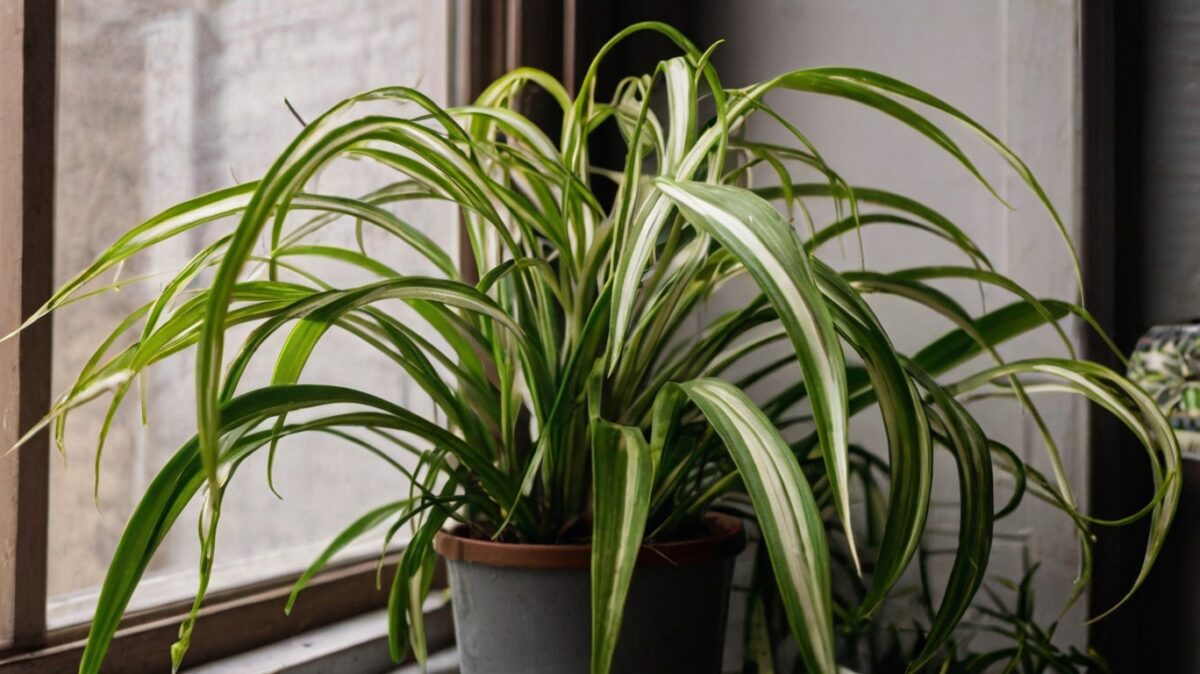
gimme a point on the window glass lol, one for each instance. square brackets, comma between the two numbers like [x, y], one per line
[160, 100]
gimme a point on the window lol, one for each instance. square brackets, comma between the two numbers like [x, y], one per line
[157, 101]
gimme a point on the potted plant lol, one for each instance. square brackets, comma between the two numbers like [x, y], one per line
[591, 442]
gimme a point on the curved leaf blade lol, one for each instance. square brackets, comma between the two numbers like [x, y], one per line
[787, 513]
[761, 240]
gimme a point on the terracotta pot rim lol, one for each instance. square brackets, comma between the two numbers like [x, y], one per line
[727, 539]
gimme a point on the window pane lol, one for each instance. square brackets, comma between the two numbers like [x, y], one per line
[160, 100]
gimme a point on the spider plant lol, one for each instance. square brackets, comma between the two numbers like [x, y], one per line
[578, 401]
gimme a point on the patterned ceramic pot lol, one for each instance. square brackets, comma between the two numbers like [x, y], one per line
[1166, 363]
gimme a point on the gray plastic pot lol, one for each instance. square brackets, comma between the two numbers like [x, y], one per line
[526, 608]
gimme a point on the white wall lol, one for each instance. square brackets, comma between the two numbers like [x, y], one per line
[1012, 65]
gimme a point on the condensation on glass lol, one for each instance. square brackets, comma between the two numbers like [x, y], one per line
[160, 100]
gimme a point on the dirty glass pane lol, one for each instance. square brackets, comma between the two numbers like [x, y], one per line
[160, 100]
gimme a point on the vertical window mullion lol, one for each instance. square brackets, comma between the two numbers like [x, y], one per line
[27, 89]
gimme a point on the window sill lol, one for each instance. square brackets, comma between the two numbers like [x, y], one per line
[239, 621]
[355, 645]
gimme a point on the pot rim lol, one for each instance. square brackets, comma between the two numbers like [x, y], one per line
[727, 539]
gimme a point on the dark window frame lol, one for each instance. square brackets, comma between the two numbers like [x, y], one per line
[27, 51]
[245, 617]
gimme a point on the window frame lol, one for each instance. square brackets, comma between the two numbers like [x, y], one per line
[27, 89]
[245, 617]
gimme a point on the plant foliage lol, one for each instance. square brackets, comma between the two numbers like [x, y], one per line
[576, 393]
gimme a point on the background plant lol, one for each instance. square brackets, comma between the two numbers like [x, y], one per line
[999, 632]
[577, 403]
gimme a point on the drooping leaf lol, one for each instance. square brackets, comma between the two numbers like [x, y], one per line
[786, 512]
[770, 250]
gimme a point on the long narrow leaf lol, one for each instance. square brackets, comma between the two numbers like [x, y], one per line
[788, 515]
[623, 473]
[768, 247]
